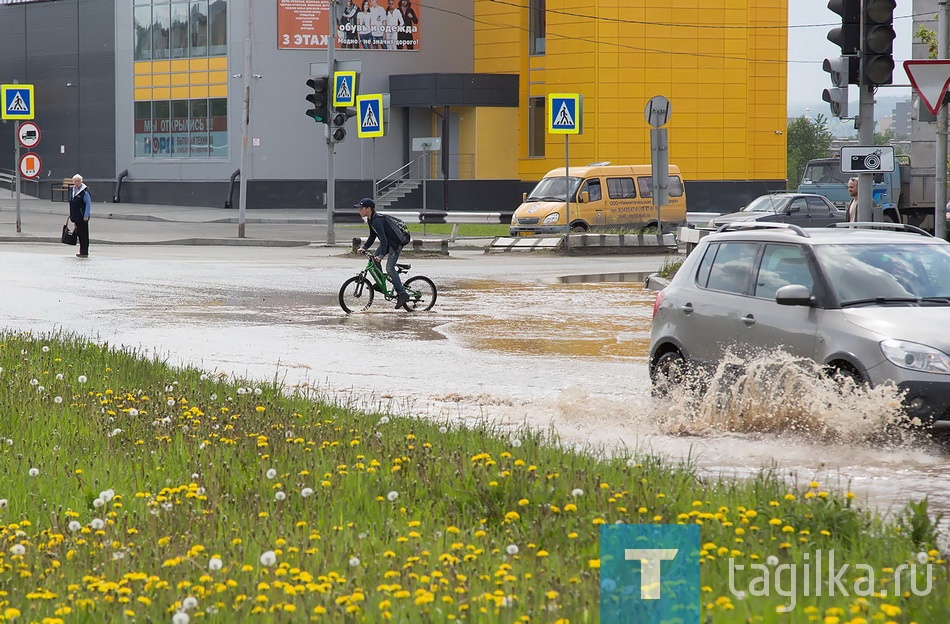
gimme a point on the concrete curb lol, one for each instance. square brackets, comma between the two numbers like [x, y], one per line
[206, 242]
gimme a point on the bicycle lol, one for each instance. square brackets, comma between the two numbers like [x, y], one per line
[356, 294]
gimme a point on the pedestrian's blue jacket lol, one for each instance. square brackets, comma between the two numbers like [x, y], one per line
[379, 226]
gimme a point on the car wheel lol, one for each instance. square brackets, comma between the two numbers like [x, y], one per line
[667, 372]
[846, 374]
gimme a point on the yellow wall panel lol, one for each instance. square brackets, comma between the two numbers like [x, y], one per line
[142, 81]
[218, 91]
[142, 67]
[179, 79]
[198, 78]
[161, 67]
[181, 65]
[199, 91]
[218, 77]
[143, 95]
[217, 62]
[161, 80]
[721, 63]
[179, 93]
[162, 93]
[199, 64]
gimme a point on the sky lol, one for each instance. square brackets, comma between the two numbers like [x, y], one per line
[809, 22]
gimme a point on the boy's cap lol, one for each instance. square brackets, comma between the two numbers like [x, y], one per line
[366, 202]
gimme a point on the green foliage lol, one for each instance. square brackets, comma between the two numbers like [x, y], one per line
[671, 265]
[130, 486]
[928, 37]
[807, 140]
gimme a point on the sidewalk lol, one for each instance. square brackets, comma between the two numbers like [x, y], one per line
[41, 221]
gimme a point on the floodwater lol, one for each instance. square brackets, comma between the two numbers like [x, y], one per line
[550, 343]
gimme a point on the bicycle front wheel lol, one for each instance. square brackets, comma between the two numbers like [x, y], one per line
[356, 294]
[422, 294]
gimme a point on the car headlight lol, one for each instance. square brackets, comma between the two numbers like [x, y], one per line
[915, 356]
[552, 218]
[514, 219]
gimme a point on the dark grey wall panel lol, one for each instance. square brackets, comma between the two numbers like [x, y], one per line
[42, 44]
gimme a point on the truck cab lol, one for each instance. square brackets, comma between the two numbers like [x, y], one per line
[823, 176]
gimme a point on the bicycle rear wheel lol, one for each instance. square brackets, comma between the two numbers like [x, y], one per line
[356, 294]
[422, 294]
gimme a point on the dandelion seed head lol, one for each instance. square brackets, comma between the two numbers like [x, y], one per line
[268, 558]
[180, 618]
[771, 560]
[59, 376]
[271, 473]
[115, 432]
[167, 506]
[189, 603]
[577, 492]
[384, 420]
[170, 402]
[74, 526]
[512, 549]
[354, 561]
[392, 496]
[204, 377]
[45, 349]
[241, 391]
[922, 557]
[34, 472]
[107, 495]
[278, 495]
[515, 442]
[82, 379]
[133, 412]
[214, 396]
[215, 564]
[97, 524]
[57, 399]
[18, 550]
[443, 429]
[40, 389]
[258, 391]
[306, 492]
[34, 382]
[3, 503]
[169, 388]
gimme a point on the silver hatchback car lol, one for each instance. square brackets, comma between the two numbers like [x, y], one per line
[867, 300]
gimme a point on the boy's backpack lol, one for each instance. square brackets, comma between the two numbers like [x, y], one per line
[401, 229]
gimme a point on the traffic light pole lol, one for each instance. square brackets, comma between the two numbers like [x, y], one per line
[940, 191]
[331, 174]
[866, 137]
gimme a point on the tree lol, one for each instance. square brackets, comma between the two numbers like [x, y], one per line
[807, 139]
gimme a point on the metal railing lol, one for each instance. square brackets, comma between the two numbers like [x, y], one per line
[389, 183]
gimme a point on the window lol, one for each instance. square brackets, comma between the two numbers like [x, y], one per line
[593, 189]
[732, 267]
[818, 208]
[161, 20]
[674, 186]
[621, 188]
[218, 28]
[142, 39]
[198, 27]
[537, 127]
[798, 206]
[537, 26]
[702, 274]
[196, 128]
[782, 265]
[179, 30]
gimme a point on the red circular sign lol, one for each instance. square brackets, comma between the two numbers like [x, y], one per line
[29, 134]
[30, 165]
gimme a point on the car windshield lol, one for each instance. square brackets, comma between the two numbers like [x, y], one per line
[552, 189]
[870, 272]
[766, 203]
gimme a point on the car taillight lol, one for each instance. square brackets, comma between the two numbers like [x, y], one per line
[656, 304]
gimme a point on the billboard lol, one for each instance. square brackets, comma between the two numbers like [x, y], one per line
[388, 25]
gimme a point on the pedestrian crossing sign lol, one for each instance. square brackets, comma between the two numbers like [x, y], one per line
[17, 101]
[565, 113]
[369, 116]
[344, 88]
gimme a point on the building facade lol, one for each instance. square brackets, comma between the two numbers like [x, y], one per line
[153, 92]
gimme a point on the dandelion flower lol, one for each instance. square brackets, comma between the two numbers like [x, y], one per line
[170, 402]
[107, 495]
[98, 503]
[57, 399]
[3, 503]
[280, 495]
[241, 391]
[271, 473]
[189, 603]
[443, 429]
[34, 472]
[772, 560]
[215, 563]
[167, 506]
[354, 561]
[512, 549]
[34, 382]
[258, 391]
[59, 376]
[577, 492]
[74, 526]
[392, 496]
[204, 377]
[180, 618]
[922, 557]
[82, 379]
[515, 442]
[115, 432]
[214, 396]
[133, 412]
[45, 349]
[268, 558]
[18, 550]
[384, 420]
[97, 524]
[306, 492]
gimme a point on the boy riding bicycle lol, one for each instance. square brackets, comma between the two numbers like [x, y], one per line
[389, 245]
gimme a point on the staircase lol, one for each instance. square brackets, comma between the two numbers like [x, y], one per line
[395, 192]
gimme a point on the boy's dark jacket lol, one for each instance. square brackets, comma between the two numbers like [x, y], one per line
[388, 238]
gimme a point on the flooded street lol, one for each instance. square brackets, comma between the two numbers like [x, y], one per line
[544, 342]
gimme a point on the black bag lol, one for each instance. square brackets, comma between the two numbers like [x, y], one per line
[401, 229]
[68, 238]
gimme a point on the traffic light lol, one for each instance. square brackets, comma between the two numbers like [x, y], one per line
[320, 99]
[878, 42]
[848, 35]
[838, 99]
[338, 120]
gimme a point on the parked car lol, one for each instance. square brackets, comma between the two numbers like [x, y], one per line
[868, 301]
[801, 209]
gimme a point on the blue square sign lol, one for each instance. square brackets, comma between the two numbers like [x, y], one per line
[649, 574]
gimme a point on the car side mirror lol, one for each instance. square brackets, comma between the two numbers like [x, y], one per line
[585, 197]
[794, 295]
[524, 197]
[792, 209]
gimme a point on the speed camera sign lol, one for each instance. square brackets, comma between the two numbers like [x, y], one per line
[867, 159]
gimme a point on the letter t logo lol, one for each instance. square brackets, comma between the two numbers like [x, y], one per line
[650, 559]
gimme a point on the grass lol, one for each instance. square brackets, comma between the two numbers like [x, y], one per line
[138, 492]
[671, 265]
[445, 229]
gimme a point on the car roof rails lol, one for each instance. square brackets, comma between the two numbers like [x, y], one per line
[733, 227]
[880, 225]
